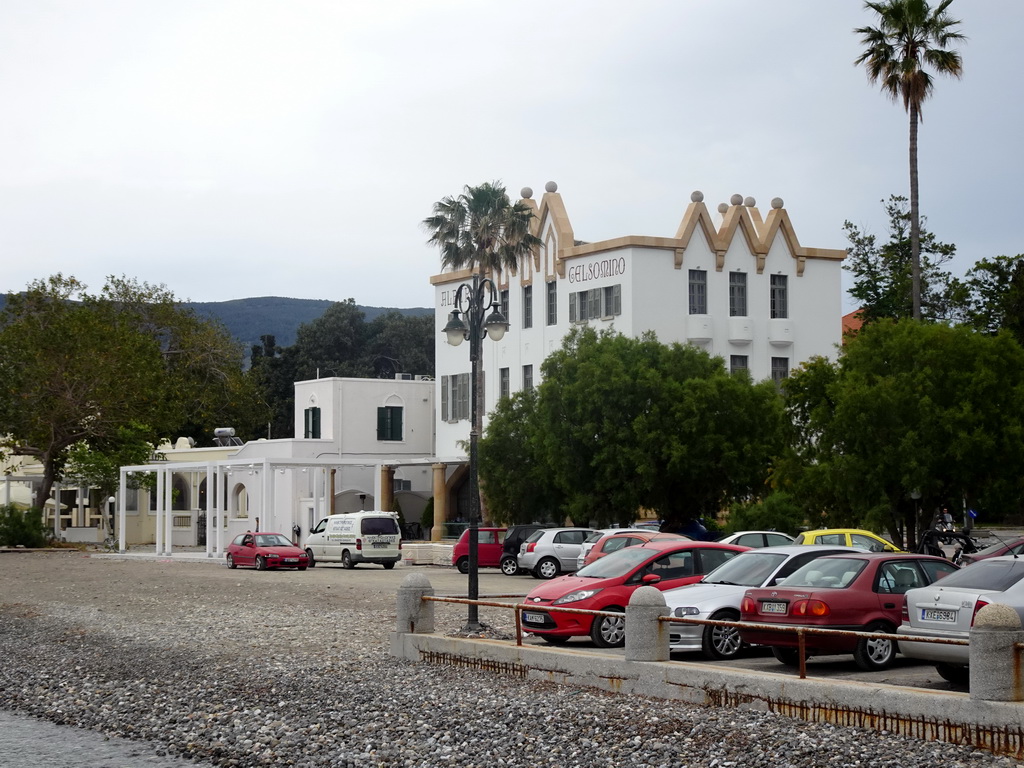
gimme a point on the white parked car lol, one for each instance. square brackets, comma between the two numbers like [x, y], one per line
[758, 539]
[946, 609]
[551, 551]
[718, 596]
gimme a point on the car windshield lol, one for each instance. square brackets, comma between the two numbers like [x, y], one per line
[748, 569]
[535, 536]
[616, 564]
[997, 575]
[592, 538]
[271, 540]
[836, 572]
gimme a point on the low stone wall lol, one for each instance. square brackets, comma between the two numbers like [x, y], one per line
[949, 716]
[426, 553]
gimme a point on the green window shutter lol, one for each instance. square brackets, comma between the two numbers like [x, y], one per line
[382, 423]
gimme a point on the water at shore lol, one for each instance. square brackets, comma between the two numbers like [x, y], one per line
[27, 742]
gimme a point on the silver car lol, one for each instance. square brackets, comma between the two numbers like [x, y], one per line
[596, 536]
[551, 551]
[718, 596]
[758, 539]
[946, 609]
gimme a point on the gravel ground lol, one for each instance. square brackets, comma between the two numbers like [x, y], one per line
[239, 668]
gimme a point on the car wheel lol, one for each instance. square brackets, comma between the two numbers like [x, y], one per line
[346, 560]
[721, 643]
[954, 673]
[312, 560]
[231, 562]
[554, 639]
[510, 566]
[788, 656]
[302, 567]
[388, 566]
[261, 563]
[546, 568]
[609, 631]
[463, 565]
[872, 655]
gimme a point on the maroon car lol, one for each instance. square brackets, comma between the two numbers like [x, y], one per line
[265, 550]
[1013, 546]
[858, 592]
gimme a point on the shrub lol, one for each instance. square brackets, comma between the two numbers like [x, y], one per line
[22, 528]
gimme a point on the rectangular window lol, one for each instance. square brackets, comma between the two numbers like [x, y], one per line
[504, 382]
[780, 369]
[612, 300]
[389, 422]
[552, 291]
[503, 297]
[595, 303]
[455, 392]
[311, 423]
[738, 363]
[527, 377]
[698, 292]
[737, 294]
[780, 296]
[527, 306]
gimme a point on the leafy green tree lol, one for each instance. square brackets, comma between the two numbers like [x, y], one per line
[22, 528]
[775, 512]
[407, 340]
[911, 38]
[332, 344]
[882, 273]
[515, 479]
[80, 367]
[625, 424]
[99, 464]
[910, 407]
[996, 301]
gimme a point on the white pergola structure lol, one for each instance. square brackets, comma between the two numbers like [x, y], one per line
[219, 502]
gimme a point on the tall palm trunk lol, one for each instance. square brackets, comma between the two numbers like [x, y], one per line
[915, 218]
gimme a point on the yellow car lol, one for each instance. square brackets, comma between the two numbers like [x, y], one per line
[847, 537]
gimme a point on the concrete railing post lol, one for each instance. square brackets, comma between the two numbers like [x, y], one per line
[415, 615]
[995, 667]
[646, 637]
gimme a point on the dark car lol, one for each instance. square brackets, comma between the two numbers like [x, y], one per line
[856, 592]
[265, 550]
[514, 537]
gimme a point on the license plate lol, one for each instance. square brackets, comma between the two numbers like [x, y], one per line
[291, 559]
[934, 614]
[380, 545]
[534, 618]
[773, 607]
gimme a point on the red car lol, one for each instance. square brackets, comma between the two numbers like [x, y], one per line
[858, 592]
[1013, 546]
[490, 545]
[606, 585]
[265, 550]
[613, 542]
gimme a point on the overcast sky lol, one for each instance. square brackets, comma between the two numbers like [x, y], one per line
[239, 148]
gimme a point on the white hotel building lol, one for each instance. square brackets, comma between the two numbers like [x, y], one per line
[736, 284]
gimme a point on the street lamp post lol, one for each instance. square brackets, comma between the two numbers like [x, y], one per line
[473, 301]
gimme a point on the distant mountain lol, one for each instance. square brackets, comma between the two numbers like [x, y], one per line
[248, 319]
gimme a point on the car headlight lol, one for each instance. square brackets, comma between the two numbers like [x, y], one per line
[685, 611]
[574, 597]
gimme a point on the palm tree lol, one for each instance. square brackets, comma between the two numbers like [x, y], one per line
[910, 36]
[483, 230]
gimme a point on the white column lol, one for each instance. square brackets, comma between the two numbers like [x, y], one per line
[168, 512]
[210, 493]
[122, 492]
[159, 517]
[267, 503]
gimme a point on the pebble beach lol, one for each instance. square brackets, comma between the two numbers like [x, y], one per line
[239, 668]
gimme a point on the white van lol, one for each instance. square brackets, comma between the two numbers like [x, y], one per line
[359, 537]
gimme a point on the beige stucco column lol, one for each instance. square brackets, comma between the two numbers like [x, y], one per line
[386, 503]
[440, 501]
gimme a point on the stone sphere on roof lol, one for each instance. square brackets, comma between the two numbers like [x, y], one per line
[526, 193]
[696, 196]
[749, 202]
[551, 187]
[776, 202]
[736, 199]
[723, 207]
